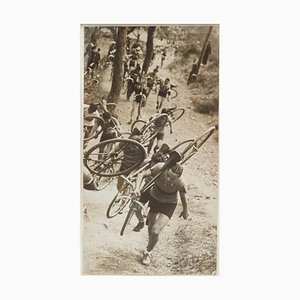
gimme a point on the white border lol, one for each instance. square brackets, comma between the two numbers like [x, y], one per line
[259, 195]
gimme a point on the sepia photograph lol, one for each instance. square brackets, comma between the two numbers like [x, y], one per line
[150, 149]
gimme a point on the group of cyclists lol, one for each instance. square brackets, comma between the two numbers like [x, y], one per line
[100, 125]
[168, 187]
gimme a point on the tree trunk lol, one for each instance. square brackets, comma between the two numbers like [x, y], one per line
[203, 48]
[149, 50]
[118, 66]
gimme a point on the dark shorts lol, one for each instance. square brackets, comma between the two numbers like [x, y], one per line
[157, 206]
[162, 94]
[160, 136]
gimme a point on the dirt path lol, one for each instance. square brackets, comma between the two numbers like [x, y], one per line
[185, 246]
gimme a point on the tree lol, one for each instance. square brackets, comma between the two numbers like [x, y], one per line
[149, 50]
[118, 67]
[203, 48]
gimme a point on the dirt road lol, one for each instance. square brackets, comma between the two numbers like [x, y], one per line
[185, 246]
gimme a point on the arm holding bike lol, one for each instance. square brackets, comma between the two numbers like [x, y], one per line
[184, 212]
[139, 180]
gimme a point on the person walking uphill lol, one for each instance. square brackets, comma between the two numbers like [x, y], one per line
[162, 197]
[193, 73]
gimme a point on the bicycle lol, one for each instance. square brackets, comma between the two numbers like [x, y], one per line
[174, 113]
[101, 107]
[121, 199]
[135, 204]
[150, 130]
[175, 157]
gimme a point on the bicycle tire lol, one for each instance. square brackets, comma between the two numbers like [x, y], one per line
[140, 122]
[110, 213]
[115, 160]
[151, 130]
[188, 142]
[195, 146]
[176, 114]
[173, 94]
[128, 218]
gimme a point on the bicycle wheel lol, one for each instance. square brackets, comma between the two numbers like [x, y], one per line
[139, 124]
[128, 217]
[176, 114]
[151, 130]
[173, 94]
[182, 146]
[117, 205]
[195, 146]
[123, 156]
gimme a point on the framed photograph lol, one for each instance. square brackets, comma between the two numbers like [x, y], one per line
[150, 151]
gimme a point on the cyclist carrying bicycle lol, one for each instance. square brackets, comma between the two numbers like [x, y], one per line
[163, 56]
[131, 83]
[163, 92]
[139, 100]
[193, 73]
[151, 80]
[110, 127]
[161, 134]
[90, 113]
[163, 198]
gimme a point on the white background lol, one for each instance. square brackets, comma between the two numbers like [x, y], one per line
[40, 150]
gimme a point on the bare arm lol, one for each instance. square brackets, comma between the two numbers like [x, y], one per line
[139, 180]
[184, 212]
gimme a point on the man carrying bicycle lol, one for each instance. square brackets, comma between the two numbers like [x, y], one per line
[163, 198]
[90, 113]
[110, 127]
[139, 100]
[161, 133]
[163, 92]
[151, 80]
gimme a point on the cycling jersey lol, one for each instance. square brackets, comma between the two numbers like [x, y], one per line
[88, 119]
[163, 190]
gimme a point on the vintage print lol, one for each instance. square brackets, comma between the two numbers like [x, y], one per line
[150, 152]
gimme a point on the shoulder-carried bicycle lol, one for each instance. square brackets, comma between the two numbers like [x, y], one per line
[185, 151]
